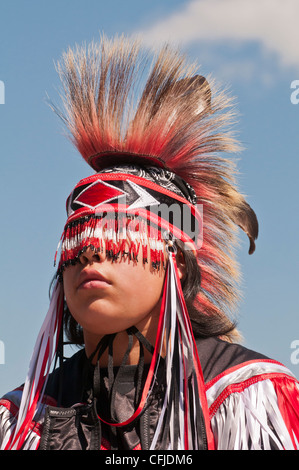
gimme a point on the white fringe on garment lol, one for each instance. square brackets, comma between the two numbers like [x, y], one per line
[251, 419]
[7, 428]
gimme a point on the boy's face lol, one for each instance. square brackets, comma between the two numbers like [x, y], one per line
[108, 297]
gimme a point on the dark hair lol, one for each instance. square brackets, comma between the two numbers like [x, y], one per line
[202, 324]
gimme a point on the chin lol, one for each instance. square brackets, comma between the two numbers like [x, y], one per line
[103, 325]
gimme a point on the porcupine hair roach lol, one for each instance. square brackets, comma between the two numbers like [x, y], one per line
[122, 105]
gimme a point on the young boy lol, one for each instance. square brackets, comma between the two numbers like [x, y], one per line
[146, 277]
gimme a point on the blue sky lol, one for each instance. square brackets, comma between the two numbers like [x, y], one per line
[250, 47]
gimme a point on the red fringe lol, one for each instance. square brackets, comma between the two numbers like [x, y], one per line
[119, 237]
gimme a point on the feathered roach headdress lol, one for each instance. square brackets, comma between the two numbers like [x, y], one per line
[150, 146]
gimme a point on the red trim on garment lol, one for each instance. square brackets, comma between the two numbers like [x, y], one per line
[10, 406]
[240, 366]
[13, 409]
[288, 403]
[240, 387]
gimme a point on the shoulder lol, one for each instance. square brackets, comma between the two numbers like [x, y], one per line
[253, 400]
[217, 356]
[9, 409]
[70, 374]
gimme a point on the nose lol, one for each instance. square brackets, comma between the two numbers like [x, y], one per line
[90, 256]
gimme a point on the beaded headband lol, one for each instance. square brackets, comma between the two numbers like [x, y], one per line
[120, 212]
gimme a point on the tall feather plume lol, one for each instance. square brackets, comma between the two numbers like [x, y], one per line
[117, 98]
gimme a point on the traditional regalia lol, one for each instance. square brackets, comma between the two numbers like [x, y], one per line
[159, 184]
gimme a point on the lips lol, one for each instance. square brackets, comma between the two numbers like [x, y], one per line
[92, 279]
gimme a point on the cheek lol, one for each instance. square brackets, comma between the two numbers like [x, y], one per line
[76, 302]
[69, 283]
[141, 290]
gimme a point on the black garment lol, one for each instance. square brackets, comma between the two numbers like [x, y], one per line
[74, 423]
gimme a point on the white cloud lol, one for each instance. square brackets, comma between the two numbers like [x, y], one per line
[272, 24]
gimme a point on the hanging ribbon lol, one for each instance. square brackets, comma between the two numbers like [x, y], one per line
[185, 400]
[39, 368]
